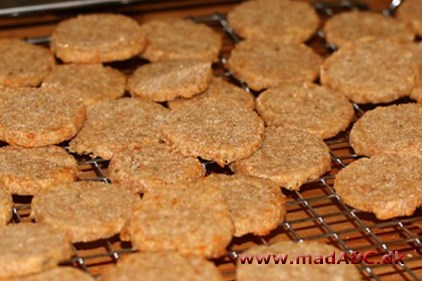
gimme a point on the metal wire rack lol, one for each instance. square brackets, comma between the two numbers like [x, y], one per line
[315, 213]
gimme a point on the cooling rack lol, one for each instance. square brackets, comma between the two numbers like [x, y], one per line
[314, 213]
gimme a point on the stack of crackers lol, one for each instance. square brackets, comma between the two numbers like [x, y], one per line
[162, 125]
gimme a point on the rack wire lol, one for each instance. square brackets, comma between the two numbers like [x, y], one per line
[314, 213]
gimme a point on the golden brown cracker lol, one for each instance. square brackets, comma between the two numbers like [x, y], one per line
[59, 273]
[6, 206]
[410, 12]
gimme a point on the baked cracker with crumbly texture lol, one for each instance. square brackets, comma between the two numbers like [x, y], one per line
[163, 81]
[371, 70]
[261, 65]
[30, 171]
[274, 20]
[289, 157]
[27, 248]
[96, 38]
[388, 185]
[163, 266]
[85, 211]
[319, 110]
[417, 58]
[6, 205]
[59, 273]
[118, 124]
[391, 129]
[90, 83]
[410, 12]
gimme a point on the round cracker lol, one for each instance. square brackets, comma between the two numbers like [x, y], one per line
[262, 65]
[118, 124]
[371, 70]
[350, 26]
[295, 268]
[274, 20]
[29, 171]
[163, 266]
[90, 83]
[163, 81]
[319, 110]
[152, 167]
[417, 58]
[217, 131]
[27, 248]
[219, 90]
[256, 205]
[192, 219]
[395, 128]
[33, 117]
[180, 39]
[59, 273]
[410, 12]
[388, 185]
[85, 211]
[23, 64]
[96, 38]
[6, 205]
[289, 157]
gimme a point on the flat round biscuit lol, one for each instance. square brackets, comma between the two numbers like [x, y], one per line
[58, 273]
[152, 167]
[417, 58]
[289, 157]
[192, 219]
[351, 26]
[300, 268]
[33, 117]
[163, 266]
[85, 211]
[410, 12]
[219, 90]
[256, 205]
[96, 38]
[29, 171]
[163, 81]
[217, 131]
[371, 70]
[6, 205]
[27, 248]
[180, 39]
[390, 129]
[388, 185]
[90, 83]
[118, 124]
[23, 64]
[274, 20]
[319, 110]
[262, 65]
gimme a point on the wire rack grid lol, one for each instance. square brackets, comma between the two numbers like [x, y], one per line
[314, 213]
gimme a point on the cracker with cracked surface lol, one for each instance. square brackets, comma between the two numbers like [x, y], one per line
[90, 83]
[388, 185]
[274, 20]
[180, 39]
[192, 219]
[351, 26]
[219, 90]
[85, 211]
[27, 248]
[6, 205]
[59, 273]
[169, 266]
[217, 131]
[289, 157]
[410, 12]
[319, 110]
[33, 117]
[262, 65]
[141, 170]
[95, 38]
[118, 124]
[23, 64]
[304, 270]
[29, 171]
[256, 205]
[417, 57]
[390, 129]
[371, 70]
[167, 80]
